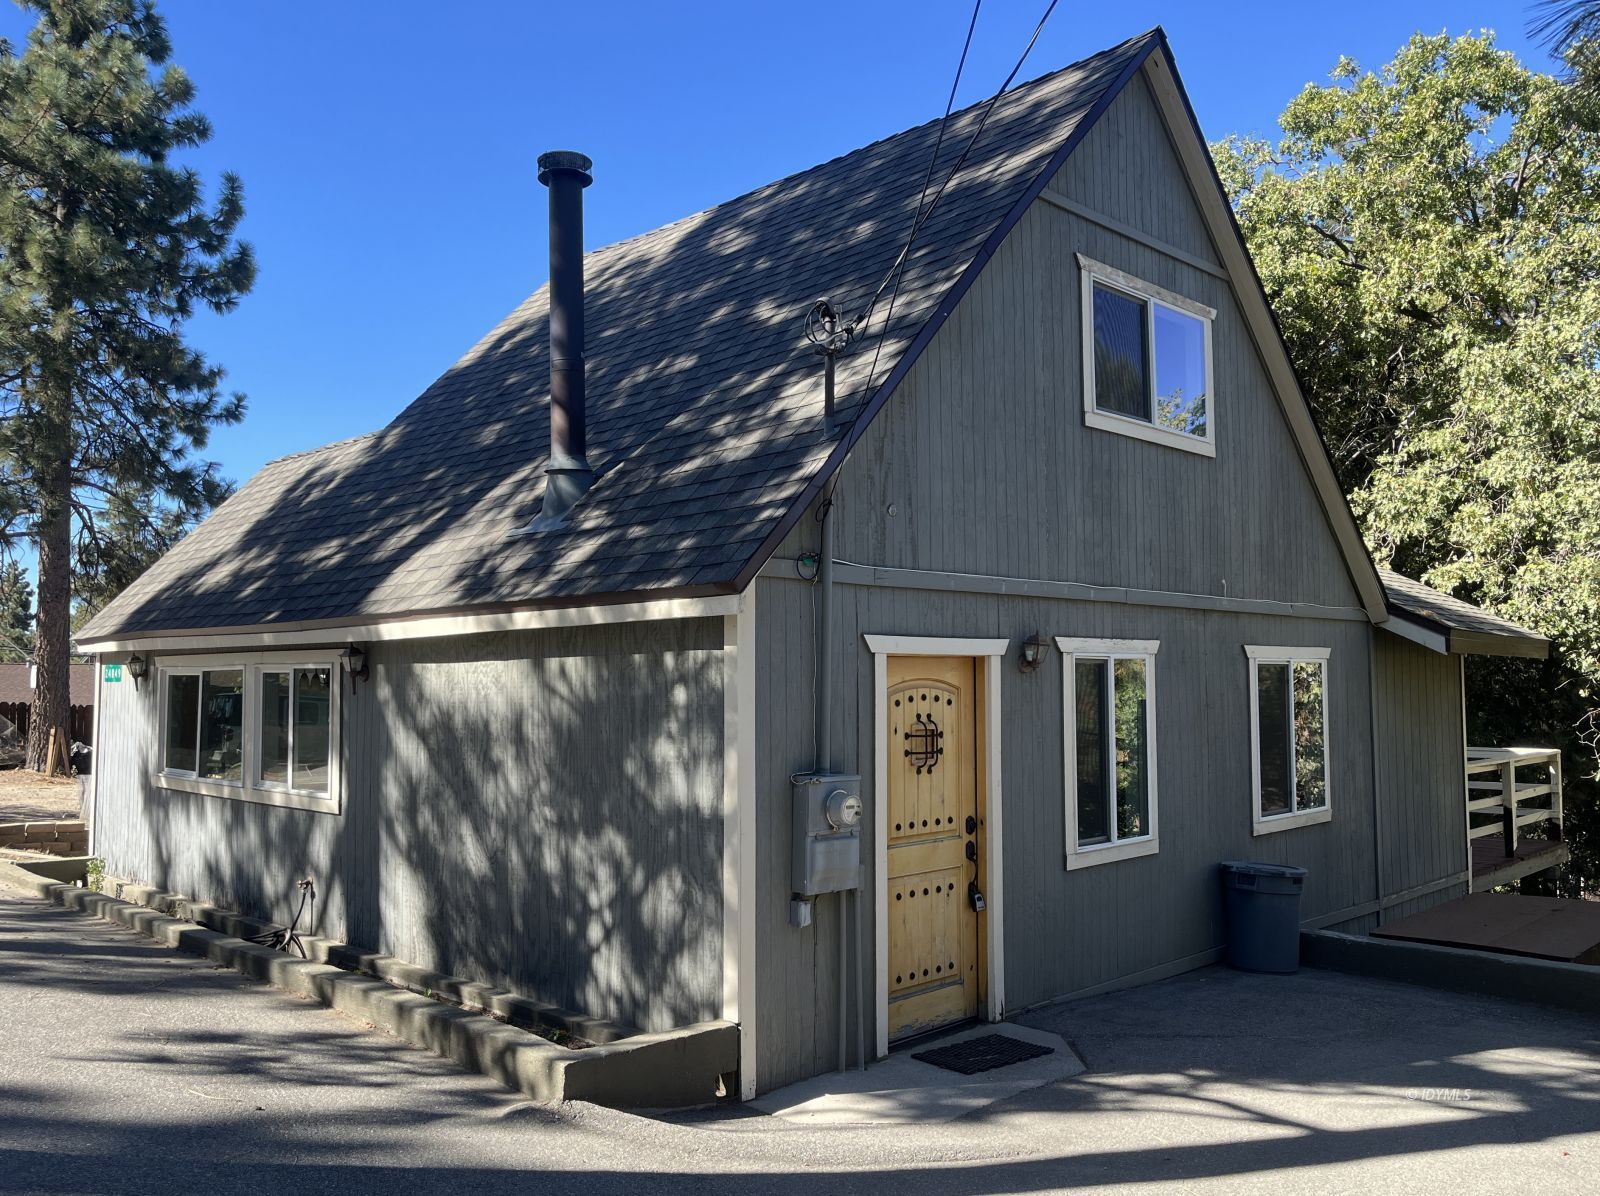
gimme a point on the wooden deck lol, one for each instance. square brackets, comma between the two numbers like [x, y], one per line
[1508, 924]
[1492, 867]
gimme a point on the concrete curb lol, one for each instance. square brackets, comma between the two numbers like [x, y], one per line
[474, 997]
[1517, 977]
[671, 1069]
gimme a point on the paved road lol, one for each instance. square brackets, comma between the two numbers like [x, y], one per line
[129, 1068]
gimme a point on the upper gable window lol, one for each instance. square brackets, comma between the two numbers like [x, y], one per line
[1146, 361]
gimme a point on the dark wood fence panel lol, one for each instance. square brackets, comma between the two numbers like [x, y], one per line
[80, 724]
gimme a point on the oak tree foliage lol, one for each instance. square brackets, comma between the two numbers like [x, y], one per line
[1429, 234]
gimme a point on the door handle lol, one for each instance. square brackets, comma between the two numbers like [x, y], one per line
[974, 893]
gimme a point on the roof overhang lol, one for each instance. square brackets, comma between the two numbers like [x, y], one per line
[1461, 642]
[417, 626]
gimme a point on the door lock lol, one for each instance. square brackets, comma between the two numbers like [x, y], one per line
[975, 897]
[972, 824]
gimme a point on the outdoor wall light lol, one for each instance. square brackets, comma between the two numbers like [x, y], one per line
[138, 669]
[1031, 655]
[355, 663]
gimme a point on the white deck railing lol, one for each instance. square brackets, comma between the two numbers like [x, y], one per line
[1493, 787]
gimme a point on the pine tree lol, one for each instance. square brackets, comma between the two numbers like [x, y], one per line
[106, 249]
[16, 613]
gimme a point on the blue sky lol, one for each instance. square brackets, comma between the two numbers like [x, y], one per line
[387, 150]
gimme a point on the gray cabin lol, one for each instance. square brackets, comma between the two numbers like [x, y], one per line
[837, 677]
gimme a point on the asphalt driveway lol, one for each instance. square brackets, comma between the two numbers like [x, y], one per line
[129, 1068]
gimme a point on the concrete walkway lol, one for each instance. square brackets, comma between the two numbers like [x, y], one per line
[128, 1068]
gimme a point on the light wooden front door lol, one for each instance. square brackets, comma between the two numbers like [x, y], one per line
[934, 814]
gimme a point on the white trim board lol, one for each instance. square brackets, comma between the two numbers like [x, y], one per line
[271, 636]
[739, 835]
[987, 655]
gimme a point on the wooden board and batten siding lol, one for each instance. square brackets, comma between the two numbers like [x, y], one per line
[540, 810]
[981, 474]
[1421, 777]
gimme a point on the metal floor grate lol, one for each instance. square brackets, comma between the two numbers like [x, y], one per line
[984, 1053]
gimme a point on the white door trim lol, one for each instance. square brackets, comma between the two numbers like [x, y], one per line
[739, 833]
[987, 655]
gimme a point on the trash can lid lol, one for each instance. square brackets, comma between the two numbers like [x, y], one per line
[1253, 868]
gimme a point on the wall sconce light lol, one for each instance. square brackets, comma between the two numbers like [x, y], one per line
[1031, 655]
[355, 663]
[138, 669]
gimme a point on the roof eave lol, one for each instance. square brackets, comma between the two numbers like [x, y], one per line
[681, 602]
[1455, 641]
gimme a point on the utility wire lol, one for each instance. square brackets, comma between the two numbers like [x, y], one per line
[896, 272]
[916, 223]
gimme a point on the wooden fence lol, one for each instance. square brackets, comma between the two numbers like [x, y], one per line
[80, 726]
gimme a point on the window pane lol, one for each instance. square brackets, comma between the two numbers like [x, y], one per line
[312, 708]
[1180, 371]
[1121, 370]
[1133, 758]
[1089, 697]
[1272, 708]
[1310, 753]
[183, 711]
[275, 728]
[221, 720]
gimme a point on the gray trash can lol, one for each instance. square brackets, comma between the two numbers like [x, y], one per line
[1262, 902]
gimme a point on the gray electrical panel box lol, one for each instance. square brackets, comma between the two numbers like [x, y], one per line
[827, 833]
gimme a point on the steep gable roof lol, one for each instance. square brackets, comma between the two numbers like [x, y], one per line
[705, 401]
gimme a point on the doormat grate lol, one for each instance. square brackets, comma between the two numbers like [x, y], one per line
[984, 1053]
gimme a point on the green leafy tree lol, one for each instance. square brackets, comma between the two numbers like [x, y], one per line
[107, 247]
[1430, 237]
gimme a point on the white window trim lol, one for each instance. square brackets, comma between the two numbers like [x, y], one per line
[248, 788]
[1124, 849]
[1260, 824]
[1092, 272]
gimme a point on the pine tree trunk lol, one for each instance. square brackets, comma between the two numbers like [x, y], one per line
[52, 699]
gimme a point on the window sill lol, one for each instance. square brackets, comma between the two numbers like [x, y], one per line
[1088, 857]
[1286, 822]
[264, 797]
[1125, 426]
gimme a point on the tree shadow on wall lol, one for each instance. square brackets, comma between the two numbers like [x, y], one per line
[549, 808]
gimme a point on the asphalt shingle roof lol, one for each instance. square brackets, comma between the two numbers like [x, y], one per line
[705, 403]
[1412, 598]
[15, 690]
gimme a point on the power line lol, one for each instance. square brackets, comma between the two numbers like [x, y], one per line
[896, 272]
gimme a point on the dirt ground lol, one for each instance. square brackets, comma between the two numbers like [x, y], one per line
[30, 797]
